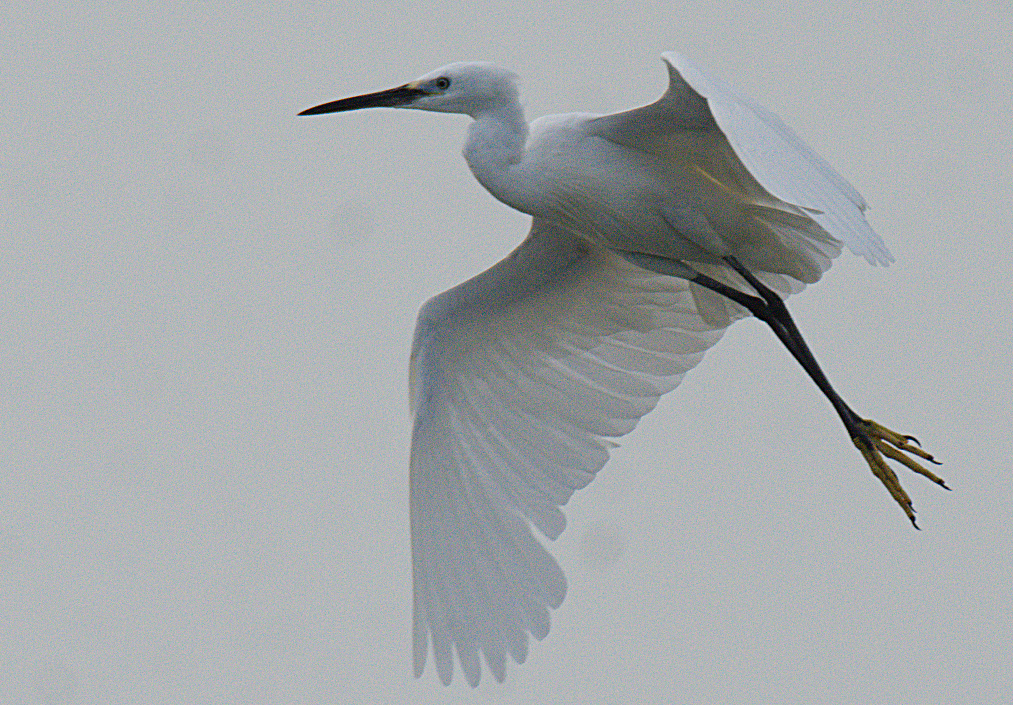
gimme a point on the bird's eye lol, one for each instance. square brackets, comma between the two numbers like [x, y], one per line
[443, 83]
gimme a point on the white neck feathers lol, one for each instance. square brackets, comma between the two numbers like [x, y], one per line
[494, 148]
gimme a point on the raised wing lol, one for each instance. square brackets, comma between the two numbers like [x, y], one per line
[780, 162]
[518, 378]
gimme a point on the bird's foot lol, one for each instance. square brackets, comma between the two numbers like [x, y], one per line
[875, 441]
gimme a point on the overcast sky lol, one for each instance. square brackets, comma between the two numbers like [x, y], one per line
[207, 309]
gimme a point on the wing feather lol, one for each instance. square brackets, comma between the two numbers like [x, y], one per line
[683, 122]
[519, 378]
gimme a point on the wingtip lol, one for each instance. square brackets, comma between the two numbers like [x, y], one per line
[675, 60]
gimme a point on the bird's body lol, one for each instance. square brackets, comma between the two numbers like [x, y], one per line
[612, 195]
[681, 194]
[652, 230]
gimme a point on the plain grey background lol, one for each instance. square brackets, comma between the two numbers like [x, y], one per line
[207, 308]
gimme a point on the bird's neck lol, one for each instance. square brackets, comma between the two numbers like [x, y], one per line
[495, 151]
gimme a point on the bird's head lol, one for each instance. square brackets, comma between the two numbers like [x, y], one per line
[467, 88]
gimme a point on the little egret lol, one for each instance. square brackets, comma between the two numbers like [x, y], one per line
[653, 229]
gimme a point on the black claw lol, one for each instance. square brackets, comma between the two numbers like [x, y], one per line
[912, 438]
[913, 522]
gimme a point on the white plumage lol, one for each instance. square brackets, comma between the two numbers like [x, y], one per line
[521, 375]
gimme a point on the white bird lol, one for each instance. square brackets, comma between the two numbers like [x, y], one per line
[653, 229]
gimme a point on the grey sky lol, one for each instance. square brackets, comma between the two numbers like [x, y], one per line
[208, 306]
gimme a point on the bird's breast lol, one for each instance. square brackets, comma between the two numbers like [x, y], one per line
[628, 200]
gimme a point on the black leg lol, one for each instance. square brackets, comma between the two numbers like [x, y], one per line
[872, 440]
[772, 311]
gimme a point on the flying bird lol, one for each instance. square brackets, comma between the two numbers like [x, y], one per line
[652, 231]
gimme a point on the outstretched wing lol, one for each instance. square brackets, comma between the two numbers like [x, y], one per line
[780, 162]
[518, 378]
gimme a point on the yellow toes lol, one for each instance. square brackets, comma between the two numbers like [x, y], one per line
[879, 441]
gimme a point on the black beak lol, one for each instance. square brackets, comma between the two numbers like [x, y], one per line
[390, 98]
